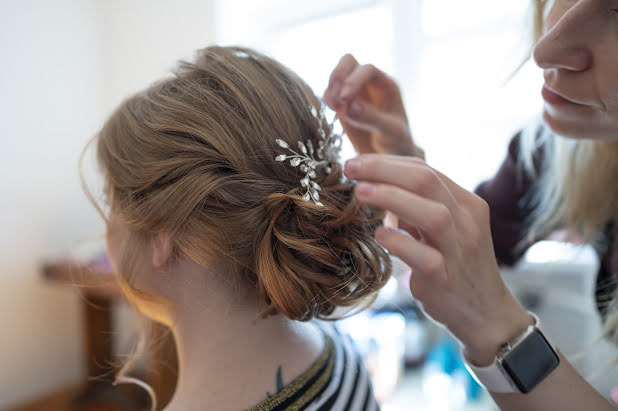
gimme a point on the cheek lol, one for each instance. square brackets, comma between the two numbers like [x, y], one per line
[608, 84]
[611, 103]
[612, 88]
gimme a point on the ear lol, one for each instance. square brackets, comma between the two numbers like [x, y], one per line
[161, 248]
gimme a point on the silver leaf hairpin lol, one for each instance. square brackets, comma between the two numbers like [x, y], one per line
[311, 158]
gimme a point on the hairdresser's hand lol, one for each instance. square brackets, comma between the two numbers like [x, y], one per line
[370, 109]
[455, 275]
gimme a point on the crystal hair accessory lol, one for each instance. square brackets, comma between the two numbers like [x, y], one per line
[311, 159]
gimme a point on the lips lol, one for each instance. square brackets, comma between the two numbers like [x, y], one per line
[556, 98]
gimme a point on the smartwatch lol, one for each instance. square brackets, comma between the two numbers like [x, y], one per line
[520, 365]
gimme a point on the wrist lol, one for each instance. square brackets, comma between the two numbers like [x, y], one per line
[484, 347]
[520, 364]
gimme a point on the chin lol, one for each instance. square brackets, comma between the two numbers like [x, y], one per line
[579, 129]
[567, 128]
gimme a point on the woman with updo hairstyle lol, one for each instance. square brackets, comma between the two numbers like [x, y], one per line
[214, 236]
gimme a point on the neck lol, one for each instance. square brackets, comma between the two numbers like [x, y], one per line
[228, 356]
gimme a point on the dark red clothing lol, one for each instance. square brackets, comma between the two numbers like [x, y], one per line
[507, 194]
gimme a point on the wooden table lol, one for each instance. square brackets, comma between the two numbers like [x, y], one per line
[100, 290]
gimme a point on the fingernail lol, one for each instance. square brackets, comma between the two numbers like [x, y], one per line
[352, 167]
[365, 189]
[356, 109]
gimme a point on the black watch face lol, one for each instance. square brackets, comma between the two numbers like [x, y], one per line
[530, 361]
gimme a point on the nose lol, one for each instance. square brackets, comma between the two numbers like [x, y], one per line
[567, 41]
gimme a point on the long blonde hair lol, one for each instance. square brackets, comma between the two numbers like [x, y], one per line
[576, 185]
[194, 154]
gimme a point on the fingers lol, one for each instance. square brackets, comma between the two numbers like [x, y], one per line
[346, 65]
[366, 116]
[423, 259]
[410, 175]
[460, 193]
[412, 230]
[358, 79]
[434, 219]
[349, 80]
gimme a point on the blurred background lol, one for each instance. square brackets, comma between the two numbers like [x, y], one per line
[64, 66]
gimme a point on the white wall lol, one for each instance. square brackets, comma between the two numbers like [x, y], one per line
[144, 38]
[63, 66]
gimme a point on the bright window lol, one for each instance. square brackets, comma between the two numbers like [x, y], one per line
[451, 58]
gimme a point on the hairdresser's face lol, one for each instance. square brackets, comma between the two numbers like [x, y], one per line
[579, 57]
